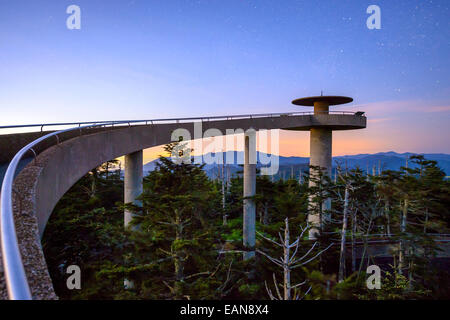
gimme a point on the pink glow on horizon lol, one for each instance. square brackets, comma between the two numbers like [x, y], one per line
[400, 126]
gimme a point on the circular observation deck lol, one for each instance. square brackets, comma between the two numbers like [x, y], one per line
[329, 100]
[333, 120]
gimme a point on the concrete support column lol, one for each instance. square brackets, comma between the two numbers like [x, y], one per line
[249, 190]
[321, 107]
[320, 156]
[133, 187]
[132, 181]
[321, 148]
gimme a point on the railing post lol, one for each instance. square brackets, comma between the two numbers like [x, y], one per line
[34, 153]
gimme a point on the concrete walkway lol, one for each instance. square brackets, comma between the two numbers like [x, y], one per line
[43, 182]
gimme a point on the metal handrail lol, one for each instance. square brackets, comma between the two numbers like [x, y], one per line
[15, 277]
[16, 281]
[176, 120]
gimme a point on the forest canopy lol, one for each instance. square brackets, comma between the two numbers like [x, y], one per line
[185, 241]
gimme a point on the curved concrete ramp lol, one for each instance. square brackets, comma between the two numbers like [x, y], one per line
[44, 181]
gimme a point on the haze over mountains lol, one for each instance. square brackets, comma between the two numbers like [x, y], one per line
[288, 165]
[292, 165]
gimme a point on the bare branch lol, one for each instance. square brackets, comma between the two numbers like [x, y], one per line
[277, 262]
[295, 251]
[197, 274]
[304, 230]
[299, 284]
[215, 271]
[168, 286]
[268, 239]
[293, 244]
[281, 238]
[305, 293]
[231, 251]
[306, 254]
[222, 287]
[276, 286]
[269, 292]
[317, 255]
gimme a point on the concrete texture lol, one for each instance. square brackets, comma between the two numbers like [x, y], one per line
[133, 182]
[320, 156]
[320, 152]
[249, 191]
[24, 204]
[10, 144]
[321, 148]
[44, 181]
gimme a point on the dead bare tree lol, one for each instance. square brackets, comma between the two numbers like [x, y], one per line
[289, 262]
[343, 235]
[225, 216]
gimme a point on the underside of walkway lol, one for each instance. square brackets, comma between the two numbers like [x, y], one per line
[62, 162]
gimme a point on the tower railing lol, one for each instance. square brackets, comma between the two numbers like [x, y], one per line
[14, 272]
[179, 120]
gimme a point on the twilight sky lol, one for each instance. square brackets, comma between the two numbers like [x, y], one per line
[157, 59]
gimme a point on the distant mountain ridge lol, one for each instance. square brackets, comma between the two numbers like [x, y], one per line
[292, 165]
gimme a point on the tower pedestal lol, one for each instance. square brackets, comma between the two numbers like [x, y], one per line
[320, 156]
[249, 191]
[133, 178]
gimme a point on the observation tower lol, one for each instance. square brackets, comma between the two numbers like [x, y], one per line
[321, 132]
